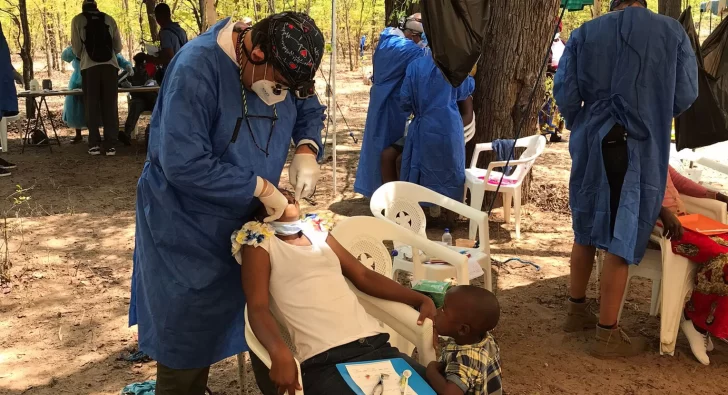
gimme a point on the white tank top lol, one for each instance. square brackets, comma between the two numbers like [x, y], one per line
[312, 298]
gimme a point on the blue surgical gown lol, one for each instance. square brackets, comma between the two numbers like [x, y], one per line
[637, 69]
[385, 118]
[434, 152]
[196, 188]
[8, 95]
[74, 112]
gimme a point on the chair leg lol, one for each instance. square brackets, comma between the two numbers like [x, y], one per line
[624, 297]
[679, 279]
[4, 134]
[488, 275]
[242, 373]
[507, 201]
[476, 201]
[517, 209]
[655, 300]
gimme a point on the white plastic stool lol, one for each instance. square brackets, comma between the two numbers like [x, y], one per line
[4, 131]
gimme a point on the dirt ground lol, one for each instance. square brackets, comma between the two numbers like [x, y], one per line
[63, 320]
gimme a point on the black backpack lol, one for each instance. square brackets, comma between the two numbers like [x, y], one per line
[98, 43]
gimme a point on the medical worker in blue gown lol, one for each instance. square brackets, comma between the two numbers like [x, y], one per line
[434, 151]
[386, 119]
[620, 82]
[231, 102]
[8, 95]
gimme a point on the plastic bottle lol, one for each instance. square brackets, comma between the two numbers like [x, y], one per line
[447, 237]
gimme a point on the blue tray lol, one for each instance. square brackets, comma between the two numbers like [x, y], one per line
[416, 382]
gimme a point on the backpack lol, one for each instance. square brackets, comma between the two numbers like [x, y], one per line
[98, 43]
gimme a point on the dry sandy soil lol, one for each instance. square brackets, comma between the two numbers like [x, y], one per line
[63, 319]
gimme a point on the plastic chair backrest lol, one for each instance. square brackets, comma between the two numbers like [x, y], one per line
[399, 202]
[535, 146]
[363, 237]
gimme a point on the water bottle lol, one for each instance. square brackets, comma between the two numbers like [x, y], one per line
[447, 237]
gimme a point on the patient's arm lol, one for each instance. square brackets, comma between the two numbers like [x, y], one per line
[255, 275]
[374, 284]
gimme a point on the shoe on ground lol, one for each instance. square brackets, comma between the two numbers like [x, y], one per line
[4, 173]
[111, 152]
[698, 341]
[614, 343]
[580, 317]
[94, 151]
[710, 346]
[124, 138]
[6, 165]
[76, 139]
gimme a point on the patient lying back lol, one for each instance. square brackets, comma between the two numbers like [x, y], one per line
[299, 275]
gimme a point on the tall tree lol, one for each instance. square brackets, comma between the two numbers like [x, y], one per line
[47, 33]
[153, 28]
[671, 8]
[596, 8]
[208, 14]
[509, 68]
[26, 53]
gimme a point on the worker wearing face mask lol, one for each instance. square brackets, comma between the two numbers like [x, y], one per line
[232, 101]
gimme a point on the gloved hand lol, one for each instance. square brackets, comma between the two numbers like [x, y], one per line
[303, 174]
[130, 70]
[273, 200]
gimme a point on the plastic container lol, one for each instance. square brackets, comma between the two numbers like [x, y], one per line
[447, 237]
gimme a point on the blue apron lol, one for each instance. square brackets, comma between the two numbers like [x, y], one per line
[635, 68]
[8, 95]
[197, 188]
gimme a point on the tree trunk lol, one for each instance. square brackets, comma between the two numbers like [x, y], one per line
[26, 53]
[271, 7]
[209, 15]
[516, 40]
[596, 8]
[671, 8]
[153, 28]
[46, 43]
[347, 30]
[60, 42]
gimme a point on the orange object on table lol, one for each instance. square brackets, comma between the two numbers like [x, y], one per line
[703, 225]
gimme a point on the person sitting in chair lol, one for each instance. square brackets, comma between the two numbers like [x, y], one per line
[140, 102]
[302, 275]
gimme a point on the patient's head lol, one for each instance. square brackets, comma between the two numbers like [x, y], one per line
[468, 313]
[291, 213]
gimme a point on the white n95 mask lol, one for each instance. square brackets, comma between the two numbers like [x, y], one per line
[269, 92]
[287, 228]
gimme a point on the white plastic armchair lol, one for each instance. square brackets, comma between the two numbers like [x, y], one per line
[478, 180]
[362, 237]
[673, 276]
[399, 202]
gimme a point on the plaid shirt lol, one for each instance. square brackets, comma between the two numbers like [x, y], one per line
[474, 368]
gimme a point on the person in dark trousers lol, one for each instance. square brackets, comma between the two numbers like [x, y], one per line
[8, 96]
[140, 102]
[96, 41]
[171, 36]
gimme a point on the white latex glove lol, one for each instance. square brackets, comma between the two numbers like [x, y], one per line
[273, 200]
[130, 70]
[303, 174]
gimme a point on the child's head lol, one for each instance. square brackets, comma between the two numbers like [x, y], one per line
[290, 214]
[139, 59]
[469, 312]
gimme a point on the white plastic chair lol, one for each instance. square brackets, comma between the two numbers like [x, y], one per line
[673, 276]
[4, 130]
[478, 181]
[399, 202]
[362, 237]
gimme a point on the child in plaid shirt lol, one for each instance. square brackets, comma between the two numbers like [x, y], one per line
[470, 362]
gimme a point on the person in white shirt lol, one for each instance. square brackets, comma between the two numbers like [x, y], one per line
[301, 276]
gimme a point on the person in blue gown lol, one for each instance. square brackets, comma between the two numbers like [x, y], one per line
[231, 102]
[386, 119]
[8, 96]
[621, 80]
[434, 150]
[74, 112]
